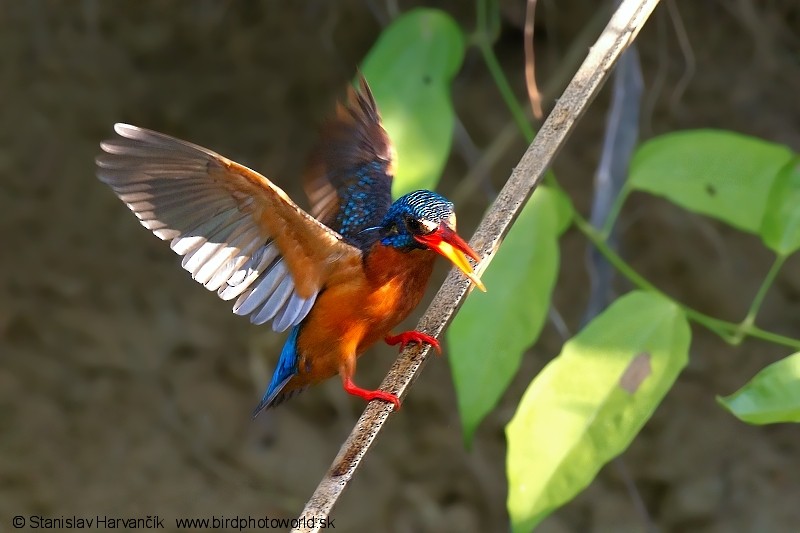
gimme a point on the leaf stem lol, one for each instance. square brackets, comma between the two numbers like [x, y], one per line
[750, 319]
[753, 331]
[730, 332]
[616, 207]
[483, 39]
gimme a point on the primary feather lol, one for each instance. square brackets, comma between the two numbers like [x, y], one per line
[239, 234]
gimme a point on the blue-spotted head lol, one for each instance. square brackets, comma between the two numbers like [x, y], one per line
[426, 220]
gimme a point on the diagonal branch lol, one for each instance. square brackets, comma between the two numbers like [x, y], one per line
[621, 30]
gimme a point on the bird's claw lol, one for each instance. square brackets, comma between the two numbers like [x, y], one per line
[369, 395]
[407, 337]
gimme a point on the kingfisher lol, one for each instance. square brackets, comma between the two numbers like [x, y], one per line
[339, 278]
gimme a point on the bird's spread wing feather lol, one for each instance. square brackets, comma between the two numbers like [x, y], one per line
[349, 176]
[238, 233]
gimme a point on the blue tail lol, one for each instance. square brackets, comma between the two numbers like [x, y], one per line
[286, 369]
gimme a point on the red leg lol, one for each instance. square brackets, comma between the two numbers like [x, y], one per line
[412, 336]
[370, 395]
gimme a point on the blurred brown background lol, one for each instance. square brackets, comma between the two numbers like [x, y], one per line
[126, 389]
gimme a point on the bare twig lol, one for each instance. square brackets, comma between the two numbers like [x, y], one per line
[619, 33]
[530, 66]
[690, 64]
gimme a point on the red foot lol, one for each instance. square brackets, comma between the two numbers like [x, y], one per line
[413, 336]
[370, 395]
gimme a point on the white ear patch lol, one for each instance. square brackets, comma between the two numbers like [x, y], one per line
[429, 225]
[451, 221]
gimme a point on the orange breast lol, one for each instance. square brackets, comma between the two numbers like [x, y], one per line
[358, 307]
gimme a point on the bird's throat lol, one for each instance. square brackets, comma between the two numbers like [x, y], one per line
[406, 270]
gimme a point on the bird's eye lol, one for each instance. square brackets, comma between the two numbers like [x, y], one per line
[422, 226]
[413, 225]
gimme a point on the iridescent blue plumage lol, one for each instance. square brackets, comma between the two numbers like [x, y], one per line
[409, 214]
[349, 177]
[349, 182]
[362, 203]
[286, 368]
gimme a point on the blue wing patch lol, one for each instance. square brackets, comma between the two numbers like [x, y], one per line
[349, 176]
[286, 370]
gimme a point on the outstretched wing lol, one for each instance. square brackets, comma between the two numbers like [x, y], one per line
[239, 234]
[349, 176]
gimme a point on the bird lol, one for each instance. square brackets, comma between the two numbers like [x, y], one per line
[340, 277]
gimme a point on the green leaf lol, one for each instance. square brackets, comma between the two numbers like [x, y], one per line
[780, 228]
[410, 69]
[492, 330]
[722, 174]
[773, 395]
[587, 404]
